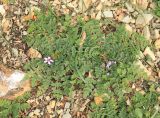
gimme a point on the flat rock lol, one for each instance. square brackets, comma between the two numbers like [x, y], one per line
[48, 98]
[15, 52]
[84, 5]
[52, 104]
[150, 53]
[157, 44]
[127, 19]
[143, 19]
[140, 56]
[24, 33]
[146, 33]
[2, 10]
[87, 3]
[49, 109]
[128, 28]
[129, 7]
[143, 4]
[37, 112]
[67, 115]
[141, 66]
[108, 14]
[98, 16]
[99, 7]
[158, 54]
[67, 105]
[156, 34]
[11, 79]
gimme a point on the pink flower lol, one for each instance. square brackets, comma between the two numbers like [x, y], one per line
[48, 60]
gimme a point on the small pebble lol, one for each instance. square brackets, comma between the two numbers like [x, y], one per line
[52, 104]
[33, 2]
[128, 28]
[157, 44]
[67, 115]
[156, 34]
[48, 98]
[129, 7]
[108, 14]
[60, 111]
[37, 112]
[146, 33]
[127, 19]
[25, 33]
[49, 109]
[31, 114]
[67, 105]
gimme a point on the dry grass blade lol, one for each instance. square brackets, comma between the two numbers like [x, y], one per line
[83, 38]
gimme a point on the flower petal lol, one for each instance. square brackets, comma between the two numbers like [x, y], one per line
[45, 58]
[45, 61]
[49, 58]
[49, 63]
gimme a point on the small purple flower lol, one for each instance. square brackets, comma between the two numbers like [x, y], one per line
[48, 60]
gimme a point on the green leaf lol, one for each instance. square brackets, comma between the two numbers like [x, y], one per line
[139, 113]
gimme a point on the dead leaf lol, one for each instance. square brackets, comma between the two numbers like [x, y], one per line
[33, 53]
[83, 38]
[30, 16]
[83, 107]
[34, 17]
[128, 102]
[5, 25]
[86, 18]
[98, 100]
[89, 75]
[119, 14]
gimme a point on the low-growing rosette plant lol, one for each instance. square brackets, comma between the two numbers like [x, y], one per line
[108, 58]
